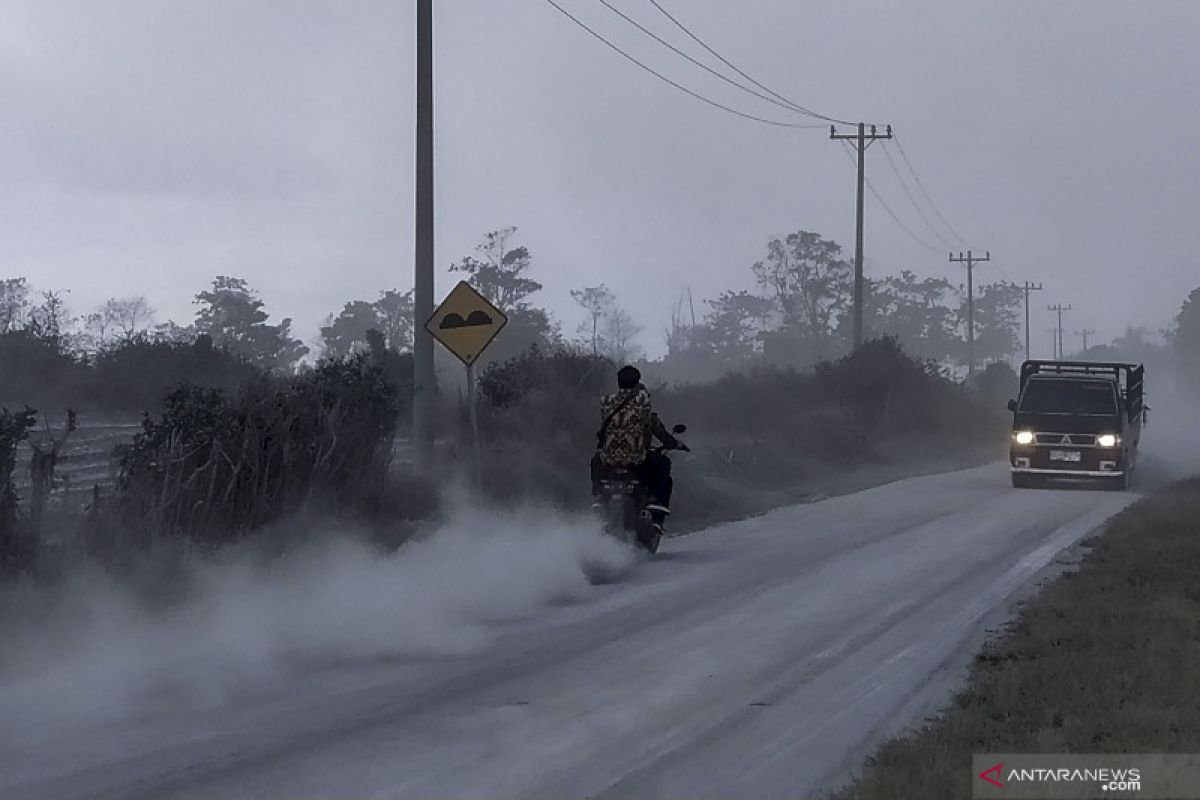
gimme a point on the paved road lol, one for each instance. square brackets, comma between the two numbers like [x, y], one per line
[756, 659]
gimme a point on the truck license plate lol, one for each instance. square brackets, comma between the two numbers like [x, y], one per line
[1065, 455]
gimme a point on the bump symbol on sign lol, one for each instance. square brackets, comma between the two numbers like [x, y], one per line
[456, 321]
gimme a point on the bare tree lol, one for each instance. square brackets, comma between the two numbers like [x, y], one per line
[597, 302]
[621, 331]
[51, 319]
[128, 315]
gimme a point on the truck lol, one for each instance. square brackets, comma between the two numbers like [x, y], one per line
[1077, 419]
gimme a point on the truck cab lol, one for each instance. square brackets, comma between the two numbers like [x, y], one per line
[1076, 419]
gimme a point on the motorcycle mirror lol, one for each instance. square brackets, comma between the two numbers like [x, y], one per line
[1012, 405]
[679, 429]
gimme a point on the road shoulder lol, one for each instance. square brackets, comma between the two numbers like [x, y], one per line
[1104, 659]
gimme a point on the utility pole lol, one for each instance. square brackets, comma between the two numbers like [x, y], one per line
[1059, 308]
[1085, 333]
[970, 259]
[861, 140]
[1027, 288]
[424, 389]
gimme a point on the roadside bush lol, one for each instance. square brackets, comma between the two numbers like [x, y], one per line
[996, 384]
[137, 375]
[763, 428]
[14, 550]
[538, 415]
[214, 466]
[38, 370]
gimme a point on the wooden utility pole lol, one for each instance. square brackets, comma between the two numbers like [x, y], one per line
[1028, 287]
[970, 259]
[1085, 333]
[424, 388]
[1059, 308]
[861, 141]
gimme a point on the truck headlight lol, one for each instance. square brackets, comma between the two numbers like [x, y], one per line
[1024, 437]
[1106, 440]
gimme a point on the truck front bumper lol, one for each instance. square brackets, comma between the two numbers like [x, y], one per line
[1069, 473]
[1090, 462]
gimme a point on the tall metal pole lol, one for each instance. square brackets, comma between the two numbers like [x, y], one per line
[424, 407]
[862, 140]
[473, 411]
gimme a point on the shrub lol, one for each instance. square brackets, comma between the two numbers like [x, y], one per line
[215, 466]
[762, 428]
[14, 551]
[38, 369]
[137, 375]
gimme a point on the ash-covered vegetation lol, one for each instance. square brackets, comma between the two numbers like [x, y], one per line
[241, 425]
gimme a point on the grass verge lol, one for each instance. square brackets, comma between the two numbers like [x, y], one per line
[1104, 660]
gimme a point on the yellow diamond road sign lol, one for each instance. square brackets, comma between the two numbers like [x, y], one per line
[466, 323]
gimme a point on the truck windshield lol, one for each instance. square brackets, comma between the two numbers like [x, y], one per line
[1069, 397]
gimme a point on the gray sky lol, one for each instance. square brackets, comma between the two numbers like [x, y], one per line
[152, 144]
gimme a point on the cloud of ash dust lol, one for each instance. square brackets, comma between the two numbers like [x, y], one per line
[90, 649]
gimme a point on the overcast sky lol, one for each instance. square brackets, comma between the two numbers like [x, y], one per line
[149, 145]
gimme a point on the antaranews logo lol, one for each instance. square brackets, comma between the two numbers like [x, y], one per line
[1109, 780]
[992, 774]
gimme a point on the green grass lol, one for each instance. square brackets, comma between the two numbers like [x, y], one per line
[1104, 660]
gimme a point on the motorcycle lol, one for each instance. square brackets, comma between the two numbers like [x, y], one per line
[625, 502]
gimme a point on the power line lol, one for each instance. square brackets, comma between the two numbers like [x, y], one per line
[925, 192]
[888, 209]
[739, 71]
[665, 79]
[892, 163]
[698, 63]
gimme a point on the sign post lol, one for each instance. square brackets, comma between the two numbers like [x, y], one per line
[465, 323]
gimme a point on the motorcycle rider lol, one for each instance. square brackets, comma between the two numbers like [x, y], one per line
[624, 438]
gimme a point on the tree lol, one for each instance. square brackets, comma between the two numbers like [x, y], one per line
[596, 301]
[14, 304]
[172, 332]
[736, 324]
[810, 283]
[397, 319]
[1187, 335]
[620, 331]
[346, 333]
[998, 320]
[391, 315]
[129, 316]
[51, 319]
[232, 315]
[919, 313]
[500, 273]
[96, 327]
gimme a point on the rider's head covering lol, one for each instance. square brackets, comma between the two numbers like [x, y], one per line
[628, 377]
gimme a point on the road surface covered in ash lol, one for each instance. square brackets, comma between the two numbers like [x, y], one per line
[756, 659]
